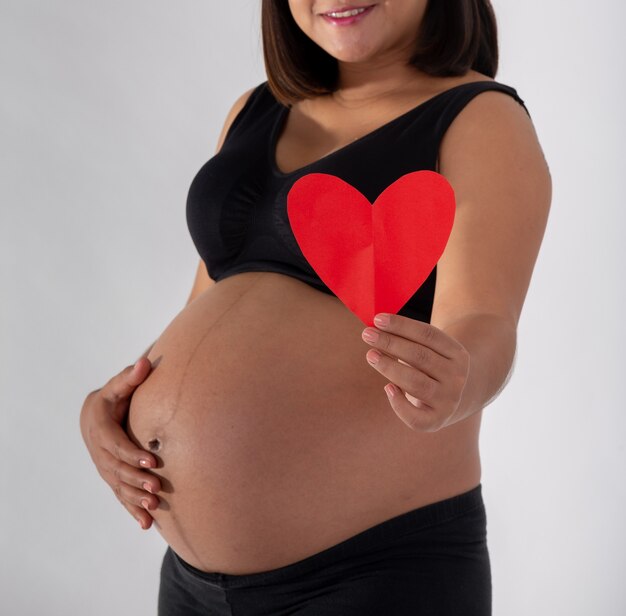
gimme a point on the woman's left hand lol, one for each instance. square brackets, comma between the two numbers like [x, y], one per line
[428, 367]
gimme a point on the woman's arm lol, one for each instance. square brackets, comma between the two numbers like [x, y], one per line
[492, 157]
[459, 362]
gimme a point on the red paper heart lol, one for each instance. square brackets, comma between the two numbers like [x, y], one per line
[372, 257]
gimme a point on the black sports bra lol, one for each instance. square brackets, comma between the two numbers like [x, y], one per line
[236, 205]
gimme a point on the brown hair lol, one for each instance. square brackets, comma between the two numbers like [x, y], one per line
[454, 37]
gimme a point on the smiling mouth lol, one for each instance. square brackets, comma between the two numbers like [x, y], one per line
[347, 15]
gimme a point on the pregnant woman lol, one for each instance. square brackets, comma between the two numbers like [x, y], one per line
[295, 461]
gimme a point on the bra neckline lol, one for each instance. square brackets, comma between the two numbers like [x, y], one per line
[281, 120]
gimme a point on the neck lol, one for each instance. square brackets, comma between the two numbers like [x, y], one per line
[371, 80]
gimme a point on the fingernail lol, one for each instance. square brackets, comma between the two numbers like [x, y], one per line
[373, 356]
[144, 462]
[390, 389]
[370, 335]
[382, 320]
[147, 487]
[144, 503]
[140, 522]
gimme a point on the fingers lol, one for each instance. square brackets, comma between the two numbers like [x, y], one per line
[117, 464]
[129, 495]
[122, 479]
[122, 385]
[145, 485]
[419, 331]
[118, 460]
[112, 437]
[416, 416]
[141, 515]
[411, 352]
[416, 382]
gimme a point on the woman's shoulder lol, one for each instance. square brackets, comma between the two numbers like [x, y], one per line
[488, 133]
[247, 97]
[239, 110]
[484, 106]
[468, 86]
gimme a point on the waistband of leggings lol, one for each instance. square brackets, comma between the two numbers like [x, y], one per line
[363, 542]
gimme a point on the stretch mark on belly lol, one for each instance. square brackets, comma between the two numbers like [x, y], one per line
[173, 515]
[199, 344]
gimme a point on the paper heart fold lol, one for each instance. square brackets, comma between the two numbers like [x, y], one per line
[373, 257]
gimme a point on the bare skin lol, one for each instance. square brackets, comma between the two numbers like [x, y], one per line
[269, 432]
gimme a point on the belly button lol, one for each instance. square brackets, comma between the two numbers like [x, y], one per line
[154, 444]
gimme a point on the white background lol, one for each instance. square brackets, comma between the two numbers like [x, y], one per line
[107, 110]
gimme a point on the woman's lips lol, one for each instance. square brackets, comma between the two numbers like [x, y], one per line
[346, 21]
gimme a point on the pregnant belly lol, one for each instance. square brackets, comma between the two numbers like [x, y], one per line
[274, 436]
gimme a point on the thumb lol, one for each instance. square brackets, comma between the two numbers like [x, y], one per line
[122, 385]
[139, 371]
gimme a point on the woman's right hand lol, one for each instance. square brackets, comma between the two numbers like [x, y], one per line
[116, 457]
